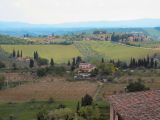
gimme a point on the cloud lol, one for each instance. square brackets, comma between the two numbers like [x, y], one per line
[60, 11]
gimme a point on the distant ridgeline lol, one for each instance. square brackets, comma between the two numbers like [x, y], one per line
[98, 35]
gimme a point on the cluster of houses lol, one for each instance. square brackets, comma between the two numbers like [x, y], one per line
[135, 38]
[84, 71]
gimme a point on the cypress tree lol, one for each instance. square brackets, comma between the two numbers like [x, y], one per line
[74, 62]
[34, 55]
[52, 62]
[14, 53]
[87, 100]
[155, 64]
[152, 63]
[21, 54]
[78, 60]
[102, 60]
[69, 63]
[18, 53]
[78, 107]
[31, 64]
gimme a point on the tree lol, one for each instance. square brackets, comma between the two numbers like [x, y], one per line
[155, 64]
[78, 107]
[90, 113]
[61, 114]
[137, 86]
[14, 66]
[52, 62]
[78, 60]
[42, 115]
[86, 100]
[31, 64]
[69, 63]
[21, 54]
[102, 60]
[106, 68]
[42, 61]
[152, 63]
[14, 53]
[73, 62]
[94, 72]
[41, 72]
[2, 81]
[36, 55]
[18, 53]
[2, 65]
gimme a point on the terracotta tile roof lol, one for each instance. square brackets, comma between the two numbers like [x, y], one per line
[138, 105]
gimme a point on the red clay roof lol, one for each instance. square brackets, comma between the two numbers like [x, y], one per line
[138, 105]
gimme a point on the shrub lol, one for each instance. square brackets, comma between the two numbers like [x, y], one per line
[32, 100]
[61, 106]
[137, 86]
[61, 114]
[50, 100]
[2, 65]
[89, 113]
[42, 61]
[41, 72]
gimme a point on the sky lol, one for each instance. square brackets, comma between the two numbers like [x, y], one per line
[63, 11]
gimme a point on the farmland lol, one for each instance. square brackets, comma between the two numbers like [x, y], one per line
[110, 50]
[60, 53]
[90, 50]
[48, 87]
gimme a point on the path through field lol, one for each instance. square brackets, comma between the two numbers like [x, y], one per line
[100, 84]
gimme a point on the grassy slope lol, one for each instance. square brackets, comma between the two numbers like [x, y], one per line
[92, 50]
[28, 110]
[110, 50]
[59, 53]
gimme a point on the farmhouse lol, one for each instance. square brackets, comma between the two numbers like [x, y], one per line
[27, 59]
[135, 106]
[86, 67]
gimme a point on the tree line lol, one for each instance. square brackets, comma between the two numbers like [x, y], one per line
[147, 62]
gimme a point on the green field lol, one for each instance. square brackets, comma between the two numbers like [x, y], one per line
[28, 110]
[110, 50]
[60, 53]
[90, 50]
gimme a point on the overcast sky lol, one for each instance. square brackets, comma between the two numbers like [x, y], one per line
[61, 11]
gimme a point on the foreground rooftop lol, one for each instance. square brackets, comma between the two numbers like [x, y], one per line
[137, 106]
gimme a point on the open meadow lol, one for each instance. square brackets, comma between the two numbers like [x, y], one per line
[110, 50]
[60, 53]
[92, 50]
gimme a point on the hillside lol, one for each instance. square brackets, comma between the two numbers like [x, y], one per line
[60, 53]
[90, 50]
